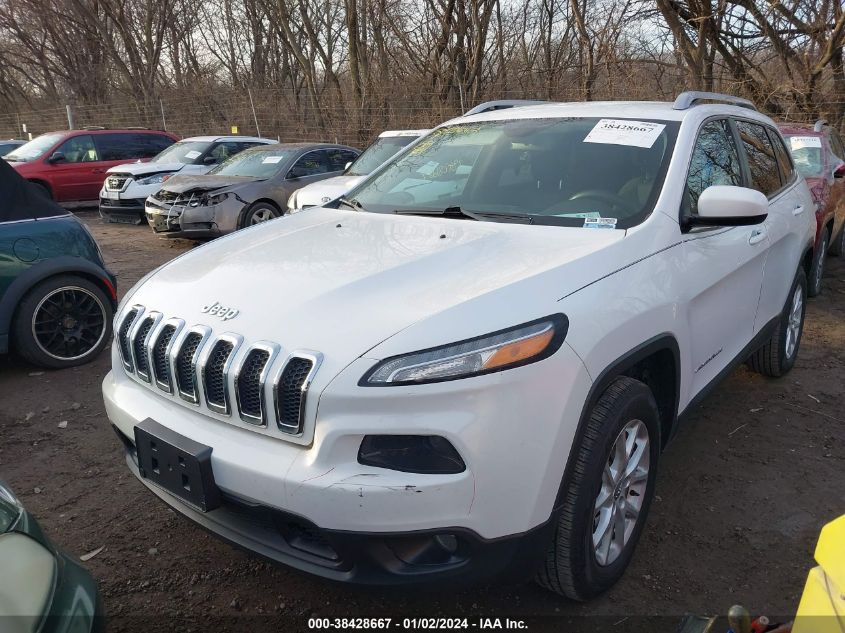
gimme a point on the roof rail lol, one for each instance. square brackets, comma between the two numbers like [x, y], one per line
[137, 127]
[819, 125]
[502, 104]
[93, 127]
[689, 98]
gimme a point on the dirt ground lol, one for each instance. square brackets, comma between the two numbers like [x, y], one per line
[742, 493]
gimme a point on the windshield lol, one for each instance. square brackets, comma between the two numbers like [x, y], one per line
[36, 148]
[377, 153]
[186, 152]
[258, 163]
[807, 153]
[570, 172]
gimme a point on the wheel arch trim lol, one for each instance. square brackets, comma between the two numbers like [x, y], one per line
[659, 343]
[44, 270]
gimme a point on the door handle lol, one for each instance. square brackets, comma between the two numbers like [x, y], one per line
[757, 236]
[98, 170]
[798, 210]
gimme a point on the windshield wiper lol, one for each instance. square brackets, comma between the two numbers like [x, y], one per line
[448, 212]
[352, 204]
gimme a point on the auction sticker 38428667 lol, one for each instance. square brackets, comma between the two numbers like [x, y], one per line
[625, 132]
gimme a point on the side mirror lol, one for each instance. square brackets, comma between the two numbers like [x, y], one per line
[295, 172]
[726, 205]
[56, 157]
[209, 160]
[839, 172]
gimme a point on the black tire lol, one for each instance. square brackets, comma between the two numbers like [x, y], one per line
[42, 189]
[257, 213]
[61, 322]
[837, 246]
[772, 358]
[814, 285]
[572, 566]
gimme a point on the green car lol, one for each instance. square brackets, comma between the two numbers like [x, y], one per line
[57, 298]
[42, 590]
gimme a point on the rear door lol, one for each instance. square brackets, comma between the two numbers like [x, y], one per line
[788, 214]
[724, 264]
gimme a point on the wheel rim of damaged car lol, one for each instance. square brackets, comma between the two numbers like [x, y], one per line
[622, 492]
[793, 329]
[261, 215]
[69, 323]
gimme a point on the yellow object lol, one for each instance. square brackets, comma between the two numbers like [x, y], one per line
[822, 608]
[234, 129]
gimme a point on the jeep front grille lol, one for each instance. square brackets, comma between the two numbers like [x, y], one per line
[197, 366]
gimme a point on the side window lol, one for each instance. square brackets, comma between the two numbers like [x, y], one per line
[338, 158]
[787, 171]
[118, 146]
[761, 157]
[714, 162]
[152, 144]
[79, 149]
[310, 164]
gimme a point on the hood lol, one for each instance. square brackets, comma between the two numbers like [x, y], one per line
[144, 169]
[199, 182]
[318, 193]
[340, 282]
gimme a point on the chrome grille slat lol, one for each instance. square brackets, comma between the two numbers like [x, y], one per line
[291, 390]
[139, 337]
[159, 350]
[124, 344]
[250, 382]
[215, 367]
[185, 363]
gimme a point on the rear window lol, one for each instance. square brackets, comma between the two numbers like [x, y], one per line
[806, 150]
[762, 163]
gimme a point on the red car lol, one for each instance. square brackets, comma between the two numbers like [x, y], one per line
[70, 166]
[819, 156]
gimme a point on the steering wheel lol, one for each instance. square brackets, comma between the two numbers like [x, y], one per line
[605, 196]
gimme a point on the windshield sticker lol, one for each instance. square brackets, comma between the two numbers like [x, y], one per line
[428, 168]
[272, 160]
[599, 223]
[622, 132]
[585, 214]
[800, 142]
[192, 154]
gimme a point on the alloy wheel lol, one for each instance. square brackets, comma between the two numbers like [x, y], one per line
[68, 323]
[793, 326]
[623, 487]
[261, 215]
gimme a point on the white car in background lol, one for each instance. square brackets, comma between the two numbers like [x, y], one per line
[127, 186]
[319, 193]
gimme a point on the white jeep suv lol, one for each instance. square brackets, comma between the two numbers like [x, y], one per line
[468, 367]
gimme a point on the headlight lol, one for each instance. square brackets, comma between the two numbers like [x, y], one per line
[208, 200]
[153, 180]
[513, 347]
[292, 203]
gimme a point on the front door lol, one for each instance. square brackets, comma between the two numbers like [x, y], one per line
[724, 265]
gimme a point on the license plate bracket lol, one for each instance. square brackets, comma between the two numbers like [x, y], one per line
[177, 464]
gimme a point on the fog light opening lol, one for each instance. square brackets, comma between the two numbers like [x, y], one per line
[424, 454]
[449, 542]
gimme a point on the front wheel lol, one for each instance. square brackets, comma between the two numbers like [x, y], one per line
[258, 213]
[607, 493]
[817, 269]
[777, 356]
[62, 322]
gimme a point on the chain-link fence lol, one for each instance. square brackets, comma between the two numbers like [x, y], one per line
[288, 116]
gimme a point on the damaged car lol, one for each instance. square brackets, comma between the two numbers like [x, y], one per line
[249, 188]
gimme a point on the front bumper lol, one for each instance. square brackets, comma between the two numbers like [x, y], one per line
[176, 220]
[124, 210]
[372, 525]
